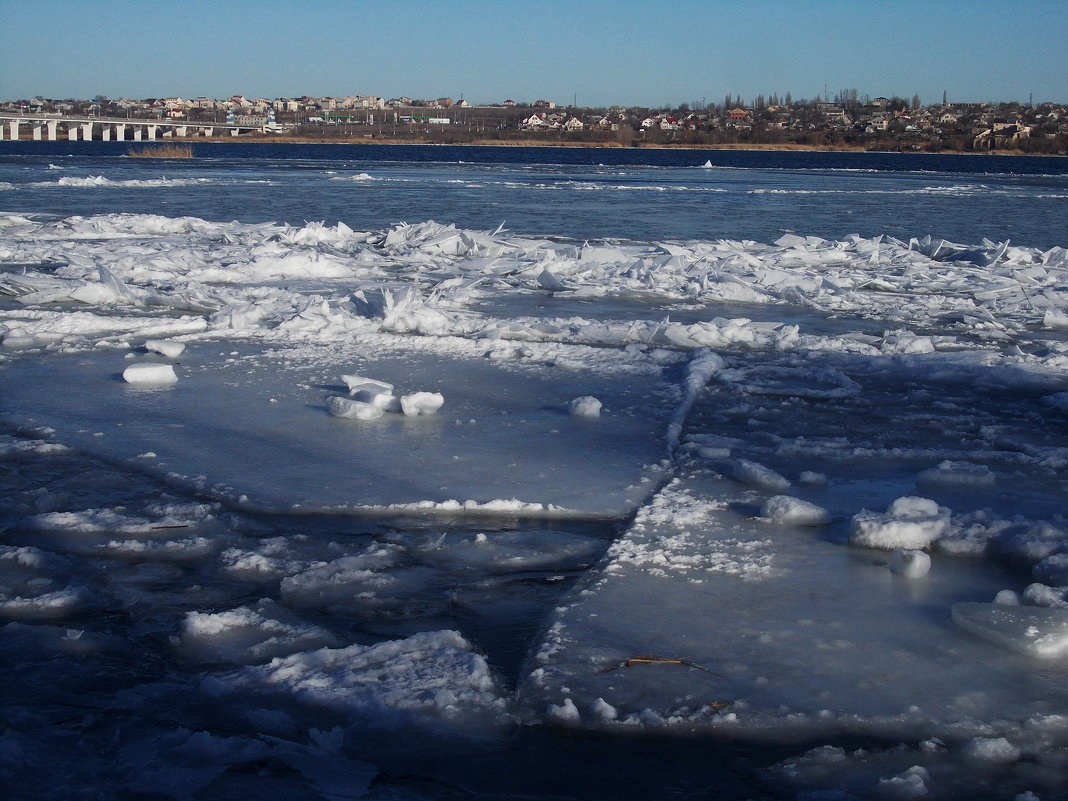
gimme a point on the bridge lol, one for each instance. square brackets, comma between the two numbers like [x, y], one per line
[52, 127]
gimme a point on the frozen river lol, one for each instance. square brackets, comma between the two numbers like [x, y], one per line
[404, 473]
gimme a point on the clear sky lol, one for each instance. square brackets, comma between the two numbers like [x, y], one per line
[598, 52]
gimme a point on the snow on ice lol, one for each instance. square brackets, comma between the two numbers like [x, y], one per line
[753, 591]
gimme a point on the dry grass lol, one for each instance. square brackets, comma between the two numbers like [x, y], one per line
[161, 152]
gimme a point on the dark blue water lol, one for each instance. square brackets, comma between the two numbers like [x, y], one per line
[576, 156]
[581, 193]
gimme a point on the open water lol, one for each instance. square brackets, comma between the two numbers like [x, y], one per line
[585, 193]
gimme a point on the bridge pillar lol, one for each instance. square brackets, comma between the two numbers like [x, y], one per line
[37, 131]
[72, 132]
[105, 133]
[137, 133]
[181, 130]
[235, 131]
[53, 130]
[151, 131]
[87, 131]
[13, 129]
[120, 131]
[208, 131]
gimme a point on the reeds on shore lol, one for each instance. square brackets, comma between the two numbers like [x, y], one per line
[161, 152]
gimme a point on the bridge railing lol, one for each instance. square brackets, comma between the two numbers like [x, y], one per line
[46, 127]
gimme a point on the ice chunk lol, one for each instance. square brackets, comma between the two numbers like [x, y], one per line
[758, 476]
[165, 347]
[1054, 318]
[910, 784]
[359, 382]
[149, 373]
[566, 712]
[908, 523]
[1053, 569]
[1030, 630]
[34, 585]
[353, 409]
[907, 343]
[249, 634]
[374, 580]
[586, 406]
[812, 478]
[418, 403]
[547, 278]
[957, 474]
[385, 401]
[1034, 545]
[1007, 598]
[430, 676]
[372, 391]
[1042, 595]
[791, 511]
[991, 749]
[910, 564]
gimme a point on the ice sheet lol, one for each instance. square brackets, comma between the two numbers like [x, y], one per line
[699, 619]
[253, 428]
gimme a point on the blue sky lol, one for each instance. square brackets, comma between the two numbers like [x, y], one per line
[597, 52]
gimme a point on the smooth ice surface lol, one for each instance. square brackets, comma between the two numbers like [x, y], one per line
[1030, 630]
[770, 458]
[267, 430]
[736, 629]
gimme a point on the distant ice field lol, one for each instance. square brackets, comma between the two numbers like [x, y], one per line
[408, 473]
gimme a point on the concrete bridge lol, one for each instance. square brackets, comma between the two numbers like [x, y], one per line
[52, 127]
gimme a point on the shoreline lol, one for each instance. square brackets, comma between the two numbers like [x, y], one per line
[785, 147]
[605, 145]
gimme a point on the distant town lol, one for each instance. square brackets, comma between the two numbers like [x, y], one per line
[845, 121]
